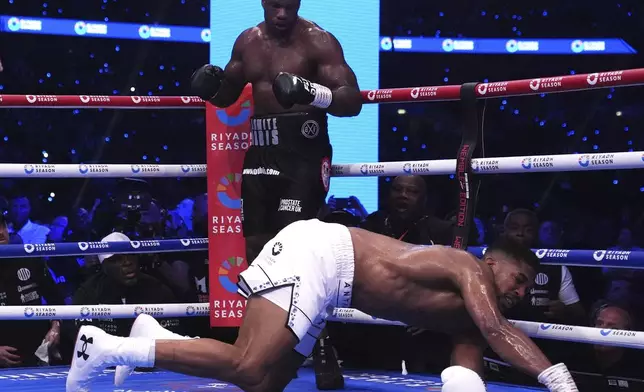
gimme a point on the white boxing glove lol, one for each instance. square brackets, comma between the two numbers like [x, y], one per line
[558, 379]
[460, 379]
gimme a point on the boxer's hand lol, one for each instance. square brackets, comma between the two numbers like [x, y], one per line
[461, 379]
[558, 379]
[206, 81]
[292, 90]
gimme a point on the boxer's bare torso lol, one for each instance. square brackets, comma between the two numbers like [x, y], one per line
[410, 283]
[258, 57]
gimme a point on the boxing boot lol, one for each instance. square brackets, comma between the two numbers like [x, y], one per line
[96, 350]
[328, 375]
[144, 326]
[460, 379]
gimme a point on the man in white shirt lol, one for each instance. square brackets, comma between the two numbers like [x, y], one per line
[19, 222]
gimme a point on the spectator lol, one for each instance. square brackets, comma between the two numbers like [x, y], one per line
[25, 282]
[20, 222]
[550, 235]
[611, 360]
[406, 217]
[625, 240]
[64, 270]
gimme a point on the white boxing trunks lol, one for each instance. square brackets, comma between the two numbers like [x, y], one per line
[307, 270]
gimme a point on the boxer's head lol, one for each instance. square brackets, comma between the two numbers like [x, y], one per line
[281, 16]
[514, 266]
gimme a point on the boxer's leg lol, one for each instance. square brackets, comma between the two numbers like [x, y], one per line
[264, 346]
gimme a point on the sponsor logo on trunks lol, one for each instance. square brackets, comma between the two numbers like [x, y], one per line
[535, 291]
[264, 132]
[94, 98]
[31, 248]
[151, 310]
[198, 310]
[226, 224]
[325, 173]
[228, 118]
[290, 205]
[530, 163]
[417, 168]
[596, 160]
[485, 165]
[346, 290]
[31, 169]
[612, 332]
[261, 171]
[136, 169]
[228, 191]
[556, 327]
[230, 141]
[193, 168]
[424, 92]
[369, 169]
[377, 95]
[277, 248]
[622, 255]
[29, 297]
[20, 289]
[545, 83]
[310, 129]
[42, 311]
[534, 301]
[95, 311]
[41, 98]
[541, 279]
[145, 244]
[552, 253]
[497, 87]
[84, 169]
[604, 77]
[24, 274]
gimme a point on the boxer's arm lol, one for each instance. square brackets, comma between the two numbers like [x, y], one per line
[234, 80]
[467, 351]
[334, 73]
[508, 342]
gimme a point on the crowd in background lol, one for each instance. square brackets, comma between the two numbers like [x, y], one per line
[598, 210]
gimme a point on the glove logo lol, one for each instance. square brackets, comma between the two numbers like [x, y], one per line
[277, 249]
[310, 129]
[541, 252]
[599, 255]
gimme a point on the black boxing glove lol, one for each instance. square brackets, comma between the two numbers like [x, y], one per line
[206, 81]
[292, 90]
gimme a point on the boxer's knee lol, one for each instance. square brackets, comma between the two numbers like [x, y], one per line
[461, 379]
[252, 373]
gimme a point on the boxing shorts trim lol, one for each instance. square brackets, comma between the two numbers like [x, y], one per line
[302, 130]
[307, 270]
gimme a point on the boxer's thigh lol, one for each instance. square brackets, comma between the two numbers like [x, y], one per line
[302, 191]
[257, 191]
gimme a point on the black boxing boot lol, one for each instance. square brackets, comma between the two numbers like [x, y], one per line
[328, 375]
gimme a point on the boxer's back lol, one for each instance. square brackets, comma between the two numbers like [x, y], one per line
[409, 283]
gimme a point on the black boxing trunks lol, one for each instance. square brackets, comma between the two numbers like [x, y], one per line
[286, 171]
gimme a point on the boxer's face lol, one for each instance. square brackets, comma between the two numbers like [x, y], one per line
[281, 15]
[513, 279]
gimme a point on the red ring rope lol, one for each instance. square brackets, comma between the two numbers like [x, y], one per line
[557, 84]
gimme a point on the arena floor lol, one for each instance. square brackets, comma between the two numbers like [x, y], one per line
[53, 379]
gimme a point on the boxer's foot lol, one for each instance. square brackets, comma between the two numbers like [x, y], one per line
[328, 375]
[95, 350]
[145, 326]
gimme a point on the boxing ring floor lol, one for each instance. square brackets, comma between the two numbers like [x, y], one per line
[53, 379]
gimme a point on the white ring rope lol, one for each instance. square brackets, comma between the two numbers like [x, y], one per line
[500, 165]
[608, 337]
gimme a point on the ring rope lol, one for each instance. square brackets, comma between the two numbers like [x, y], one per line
[557, 84]
[611, 337]
[498, 165]
[570, 257]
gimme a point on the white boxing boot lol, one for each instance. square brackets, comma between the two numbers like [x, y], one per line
[145, 326]
[95, 350]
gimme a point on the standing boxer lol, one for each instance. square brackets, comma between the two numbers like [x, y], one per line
[299, 74]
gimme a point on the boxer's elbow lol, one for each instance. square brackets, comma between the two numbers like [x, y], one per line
[347, 102]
